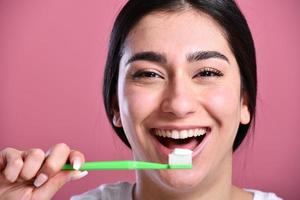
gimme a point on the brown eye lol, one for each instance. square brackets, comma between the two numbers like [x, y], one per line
[146, 74]
[209, 72]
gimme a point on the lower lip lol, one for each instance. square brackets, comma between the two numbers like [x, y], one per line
[164, 151]
[201, 146]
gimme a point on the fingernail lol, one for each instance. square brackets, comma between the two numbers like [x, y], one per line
[79, 174]
[40, 180]
[76, 164]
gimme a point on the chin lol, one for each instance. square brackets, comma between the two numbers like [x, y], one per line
[180, 180]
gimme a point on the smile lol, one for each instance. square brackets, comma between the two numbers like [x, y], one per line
[188, 138]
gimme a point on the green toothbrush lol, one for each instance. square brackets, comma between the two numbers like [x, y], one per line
[178, 159]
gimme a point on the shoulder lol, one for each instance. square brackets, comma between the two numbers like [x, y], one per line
[259, 195]
[115, 191]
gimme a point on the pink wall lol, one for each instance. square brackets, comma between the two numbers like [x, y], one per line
[51, 62]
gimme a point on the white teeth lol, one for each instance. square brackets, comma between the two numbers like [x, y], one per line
[200, 132]
[190, 133]
[169, 134]
[182, 134]
[175, 134]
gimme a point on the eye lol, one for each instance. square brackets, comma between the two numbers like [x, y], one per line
[208, 72]
[146, 74]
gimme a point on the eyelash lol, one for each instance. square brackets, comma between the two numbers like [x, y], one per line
[209, 72]
[204, 72]
[146, 74]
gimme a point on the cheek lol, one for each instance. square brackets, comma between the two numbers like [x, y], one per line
[223, 104]
[138, 103]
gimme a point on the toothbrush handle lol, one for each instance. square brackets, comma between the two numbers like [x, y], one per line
[118, 165]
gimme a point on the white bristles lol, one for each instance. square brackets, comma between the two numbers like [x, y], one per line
[180, 157]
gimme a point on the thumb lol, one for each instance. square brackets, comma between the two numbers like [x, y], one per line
[48, 190]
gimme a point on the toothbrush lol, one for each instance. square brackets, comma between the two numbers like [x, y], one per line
[178, 159]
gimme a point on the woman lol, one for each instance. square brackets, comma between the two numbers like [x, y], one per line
[179, 73]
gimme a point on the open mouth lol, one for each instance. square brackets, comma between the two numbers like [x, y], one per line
[187, 139]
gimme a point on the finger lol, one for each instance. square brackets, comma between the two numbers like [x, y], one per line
[57, 158]
[13, 164]
[33, 161]
[48, 190]
[76, 159]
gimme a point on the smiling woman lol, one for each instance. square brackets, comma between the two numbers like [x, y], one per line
[192, 88]
[179, 74]
[192, 63]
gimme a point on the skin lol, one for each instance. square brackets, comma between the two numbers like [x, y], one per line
[177, 95]
[20, 169]
[174, 93]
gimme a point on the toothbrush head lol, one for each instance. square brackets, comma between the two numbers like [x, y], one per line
[180, 159]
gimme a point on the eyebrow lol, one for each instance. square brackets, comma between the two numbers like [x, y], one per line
[148, 56]
[161, 58]
[203, 55]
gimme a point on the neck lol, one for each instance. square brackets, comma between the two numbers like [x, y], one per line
[217, 185]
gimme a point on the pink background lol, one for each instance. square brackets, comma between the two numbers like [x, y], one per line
[51, 66]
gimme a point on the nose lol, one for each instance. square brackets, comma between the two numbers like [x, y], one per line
[179, 100]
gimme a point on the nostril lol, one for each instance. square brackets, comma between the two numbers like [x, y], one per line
[178, 107]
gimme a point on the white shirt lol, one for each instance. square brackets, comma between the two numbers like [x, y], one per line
[123, 191]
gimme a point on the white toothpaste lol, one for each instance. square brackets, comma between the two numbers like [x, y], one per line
[180, 157]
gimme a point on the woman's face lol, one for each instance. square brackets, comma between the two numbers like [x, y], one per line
[178, 80]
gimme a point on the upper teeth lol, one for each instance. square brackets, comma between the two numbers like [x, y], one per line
[182, 134]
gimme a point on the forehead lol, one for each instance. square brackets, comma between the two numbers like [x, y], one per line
[177, 32]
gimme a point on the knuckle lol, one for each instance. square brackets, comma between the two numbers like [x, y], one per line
[63, 146]
[25, 177]
[8, 178]
[51, 167]
[17, 162]
[37, 153]
[8, 150]
[80, 155]
[76, 153]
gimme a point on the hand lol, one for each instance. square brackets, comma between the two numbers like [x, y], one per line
[32, 175]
